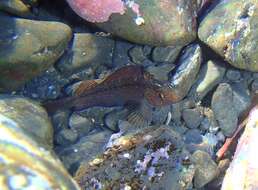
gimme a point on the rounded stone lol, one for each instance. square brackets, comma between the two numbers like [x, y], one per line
[66, 137]
[233, 75]
[192, 117]
[231, 30]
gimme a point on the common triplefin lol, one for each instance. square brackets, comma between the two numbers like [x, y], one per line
[127, 85]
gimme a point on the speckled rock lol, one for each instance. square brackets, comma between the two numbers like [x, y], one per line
[66, 137]
[81, 125]
[210, 75]
[165, 54]
[152, 158]
[233, 75]
[192, 117]
[206, 168]
[16, 7]
[85, 149]
[28, 48]
[137, 55]
[30, 117]
[155, 22]
[231, 30]
[186, 73]
[25, 163]
[87, 50]
[227, 103]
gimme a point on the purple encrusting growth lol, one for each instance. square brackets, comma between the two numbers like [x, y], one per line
[152, 159]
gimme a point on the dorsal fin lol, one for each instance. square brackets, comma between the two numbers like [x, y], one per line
[86, 86]
[127, 74]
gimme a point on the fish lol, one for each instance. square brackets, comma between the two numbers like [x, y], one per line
[129, 85]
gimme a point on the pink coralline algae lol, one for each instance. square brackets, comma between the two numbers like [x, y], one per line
[100, 10]
[97, 10]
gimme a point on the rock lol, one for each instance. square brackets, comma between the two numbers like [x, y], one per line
[227, 103]
[18, 151]
[155, 22]
[46, 86]
[137, 55]
[27, 48]
[161, 72]
[224, 109]
[192, 117]
[233, 75]
[85, 149]
[160, 115]
[112, 118]
[165, 54]
[16, 7]
[120, 55]
[60, 120]
[193, 136]
[241, 98]
[66, 137]
[81, 125]
[96, 114]
[210, 75]
[185, 75]
[254, 86]
[153, 158]
[30, 117]
[87, 50]
[230, 30]
[206, 168]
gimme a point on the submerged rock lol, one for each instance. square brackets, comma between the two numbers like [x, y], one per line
[211, 74]
[186, 73]
[27, 48]
[228, 102]
[25, 161]
[16, 7]
[231, 30]
[87, 50]
[153, 158]
[30, 117]
[153, 22]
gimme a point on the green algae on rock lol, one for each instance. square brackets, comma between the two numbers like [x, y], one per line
[25, 161]
[27, 48]
[153, 158]
[30, 117]
[153, 22]
[16, 7]
[231, 30]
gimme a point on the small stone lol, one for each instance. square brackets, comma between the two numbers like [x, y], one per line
[210, 75]
[120, 55]
[87, 51]
[113, 117]
[193, 136]
[86, 149]
[60, 120]
[66, 137]
[81, 125]
[233, 75]
[221, 137]
[165, 54]
[16, 7]
[206, 168]
[137, 55]
[192, 117]
[227, 103]
[187, 71]
[254, 86]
